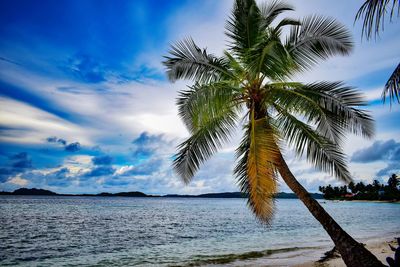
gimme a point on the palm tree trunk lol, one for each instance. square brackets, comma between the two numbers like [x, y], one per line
[353, 253]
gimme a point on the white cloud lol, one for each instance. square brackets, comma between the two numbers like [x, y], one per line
[124, 169]
[29, 124]
[78, 164]
[18, 180]
[128, 109]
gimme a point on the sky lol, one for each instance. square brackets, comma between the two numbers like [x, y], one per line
[85, 105]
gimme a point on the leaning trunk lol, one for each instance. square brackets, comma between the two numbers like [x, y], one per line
[353, 253]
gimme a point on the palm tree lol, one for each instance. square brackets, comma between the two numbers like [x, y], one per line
[373, 14]
[249, 86]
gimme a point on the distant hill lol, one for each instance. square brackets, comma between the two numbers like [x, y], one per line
[43, 192]
[123, 194]
[240, 195]
[31, 192]
[211, 195]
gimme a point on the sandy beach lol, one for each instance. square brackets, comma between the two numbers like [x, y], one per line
[380, 249]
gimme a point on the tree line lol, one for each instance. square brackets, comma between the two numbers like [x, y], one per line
[361, 191]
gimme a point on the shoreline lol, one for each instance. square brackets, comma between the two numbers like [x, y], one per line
[375, 201]
[313, 256]
[361, 201]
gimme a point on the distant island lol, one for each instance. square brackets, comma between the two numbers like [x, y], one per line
[43, 192]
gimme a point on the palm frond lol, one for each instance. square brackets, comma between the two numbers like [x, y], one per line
[236, 68]
[188, 61]
[392, 87]
[302, 105]
[243, 26]
[373, 12]
[202, 102]
[255, 170]
[203, 143]
[342, 104]
[287, 22]
[317, 38]
[269, 57]
[331, 106]
[320, 151]
[273, 9]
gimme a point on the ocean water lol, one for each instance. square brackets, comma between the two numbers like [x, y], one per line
[121, 231]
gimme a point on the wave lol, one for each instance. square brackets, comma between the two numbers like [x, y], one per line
[200, 260]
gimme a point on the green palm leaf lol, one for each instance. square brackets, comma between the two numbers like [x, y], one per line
[373, 13]
[392, 87]
[243, 27]
[320, 151]
[271, 10]
[317, 38]
[210, 115]
[270, 59]
[344, 102]
[188, 61]
[202, 102]
[202, 144]
[333, 107]
[287, 22]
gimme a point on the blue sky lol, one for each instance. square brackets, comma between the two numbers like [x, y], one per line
[85, 106]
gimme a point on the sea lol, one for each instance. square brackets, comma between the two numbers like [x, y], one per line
[128, 231]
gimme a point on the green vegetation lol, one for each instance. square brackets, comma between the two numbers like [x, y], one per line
[250, 87]
[360, 191]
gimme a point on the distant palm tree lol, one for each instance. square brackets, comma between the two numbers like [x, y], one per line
[249, 85]
[373, 14]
